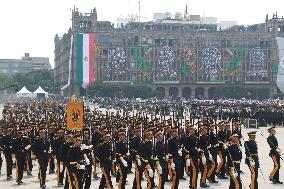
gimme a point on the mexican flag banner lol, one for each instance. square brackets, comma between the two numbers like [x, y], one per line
[85, 58]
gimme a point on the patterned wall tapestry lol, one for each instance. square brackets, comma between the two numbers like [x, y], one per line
[257, 68]
[211, 64]
[115, 68]
[166, 60]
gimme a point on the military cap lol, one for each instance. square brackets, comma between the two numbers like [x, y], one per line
[271, 128]
[69, 133]
[41, 130]
[20, 131]
[233, 135]
[106, 135]
[9, 128]
[252, 133]
[77, 137]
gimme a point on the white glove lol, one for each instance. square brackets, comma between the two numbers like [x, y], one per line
[235, 174]
[128, 154]
[203, 160]
[138, 162]
[173, 166]
[151, 174]
[210, 157]
[252, 163]
[34, 162]
[14, 160]
[87, 161]
[124, 163]
[114, 161]
[188, 162]
[27, 147]
[160, 169]
[55, 161]
[84, 147]
[49, 151]
[180, 153]
[2, 156]
[82, 167]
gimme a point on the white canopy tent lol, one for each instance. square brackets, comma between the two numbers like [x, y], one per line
[24, 93]
[40, 91]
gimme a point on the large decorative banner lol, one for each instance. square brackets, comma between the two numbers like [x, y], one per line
[189, 57]
[280, 74]
[85, 59]
[142, 62]
[75, 115]
[257, 68]
[115, 68]
[211, 64]
[235, 65]
[166, 61]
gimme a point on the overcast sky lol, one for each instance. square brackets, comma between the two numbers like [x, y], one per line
[30, 25]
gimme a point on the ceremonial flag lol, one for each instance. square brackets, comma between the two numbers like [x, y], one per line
[85, 59]
[75, 116]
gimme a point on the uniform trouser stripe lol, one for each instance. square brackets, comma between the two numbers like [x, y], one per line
[76, 181]
[220, 164]
[106, 177]
[17, 169]
[174, 179]
[193, 173]
[252, 176]
[149, 184]
[204, 175]
[235, 180]
[276, 167]
[213, 165]
[120, 177]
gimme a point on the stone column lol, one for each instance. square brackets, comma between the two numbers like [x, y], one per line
[193, 92]
[205, 92]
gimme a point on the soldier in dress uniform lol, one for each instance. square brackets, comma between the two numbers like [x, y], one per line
[275, 155]
[134, 147]
[51, 134]
[77, 162]
[87, 150]
[147, 157]
[58, 142]
[173, 152]
[203, 155]
[2, 156]
[252, 161]
[8, 151]
[104, 155]
[20, 147]
[96, 140]
[222, 151]
[64, 154]
[30, 137]
[121, 151]
[234, 160]
[213, 154]
[40, 149]
[162, 164]
[190, 147]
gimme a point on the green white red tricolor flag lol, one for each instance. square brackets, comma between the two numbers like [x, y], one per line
[85, 58]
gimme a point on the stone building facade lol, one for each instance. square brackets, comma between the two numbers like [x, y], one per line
[178, 59]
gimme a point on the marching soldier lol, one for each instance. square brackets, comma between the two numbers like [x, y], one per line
[134, 146]
[40, 151]
[162, 164]
[121, 151]
[147, 155]
[77, 162]
[51, 135]
[1, 147]
[275, 155]
[8, 151]
[222, 151]
[213, 154]
[96, 140]
[20, 147]
[87, 150]
[64, 154]
[203, 155]
[104, 155]
[173, 151]
[190, 147]
[252, 158]
[58, 142]
[234, 160]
